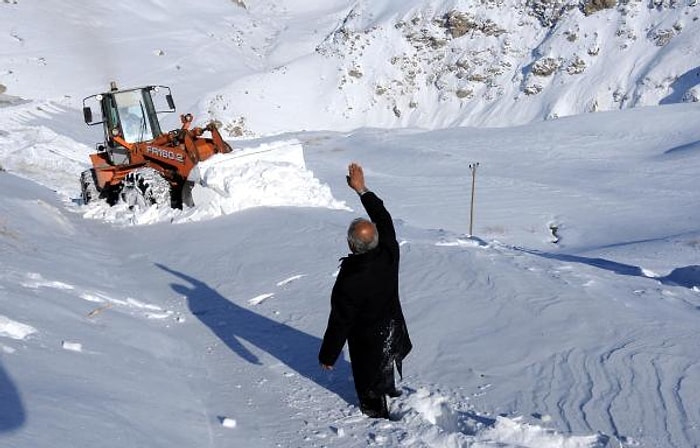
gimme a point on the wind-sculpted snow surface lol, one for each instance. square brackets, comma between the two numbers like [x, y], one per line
[569, 318]
[15, 330]
[205, 333]
[186, 362]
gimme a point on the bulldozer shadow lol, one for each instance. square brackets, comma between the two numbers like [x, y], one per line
[232, 323]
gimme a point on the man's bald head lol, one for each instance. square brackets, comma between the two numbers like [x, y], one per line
[362, 236]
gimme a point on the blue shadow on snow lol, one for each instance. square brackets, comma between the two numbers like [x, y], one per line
[12, 414]
[688, 277]
[682, 149]
[681, 85]
[231, 322]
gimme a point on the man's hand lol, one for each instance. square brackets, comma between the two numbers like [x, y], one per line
[356, 178]
[326, 367]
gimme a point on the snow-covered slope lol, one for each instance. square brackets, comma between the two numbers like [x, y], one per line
[278, 66]
[205, 333]
[569, 319]
[496, 63]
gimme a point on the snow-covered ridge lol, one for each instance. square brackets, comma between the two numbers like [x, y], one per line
[569, 319]
[495, 63]
[533, 341]
[279, 66]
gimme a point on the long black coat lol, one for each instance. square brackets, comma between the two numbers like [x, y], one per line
[365, 309]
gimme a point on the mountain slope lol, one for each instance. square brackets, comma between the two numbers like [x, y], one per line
[494, 63]
[569, 318]
[154, 335]
[271, 67]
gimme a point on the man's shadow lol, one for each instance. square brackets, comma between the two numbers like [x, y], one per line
[231, 322]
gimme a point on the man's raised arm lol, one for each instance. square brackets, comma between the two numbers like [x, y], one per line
[373, 205]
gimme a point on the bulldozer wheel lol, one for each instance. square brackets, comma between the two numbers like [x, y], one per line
[88, 186]
[144, 187]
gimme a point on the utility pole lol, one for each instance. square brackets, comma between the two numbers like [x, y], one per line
[472, 166]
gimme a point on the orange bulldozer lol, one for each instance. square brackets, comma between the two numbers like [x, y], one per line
[137, 163]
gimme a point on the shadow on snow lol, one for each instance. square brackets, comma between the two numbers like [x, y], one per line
[12, 415]
[684, 149]
[681, 85]
[688, 276]
[231, 323]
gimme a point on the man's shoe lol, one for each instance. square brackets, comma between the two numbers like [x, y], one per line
[374, 407]
[375, 413]
[394, 393]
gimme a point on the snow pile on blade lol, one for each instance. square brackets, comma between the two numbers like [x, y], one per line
[273, 174]
[270, 175]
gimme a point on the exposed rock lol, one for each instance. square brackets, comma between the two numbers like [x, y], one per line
[577, 66]
[619, 96]
[533, 89]
[692, 95]
[237, 128]
[464, 93]
[460, 23]
[477, 77]
[589, 7]
[546, 66]
[548, 12]
[355, 73]
[663, 4]
[661, 37]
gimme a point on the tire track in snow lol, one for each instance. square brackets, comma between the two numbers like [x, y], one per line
[631, 379]
[611, 371]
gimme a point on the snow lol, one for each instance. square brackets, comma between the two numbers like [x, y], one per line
[567, 319]
[15, 330]
[228, 422]
[72, 346]
[266, 175]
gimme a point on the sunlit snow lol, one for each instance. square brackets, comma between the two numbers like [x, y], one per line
[567, 319]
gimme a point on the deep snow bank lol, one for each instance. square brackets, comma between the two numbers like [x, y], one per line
[269, 175]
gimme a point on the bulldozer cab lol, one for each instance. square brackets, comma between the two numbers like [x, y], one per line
[130, 114]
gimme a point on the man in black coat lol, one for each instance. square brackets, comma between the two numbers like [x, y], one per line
[365, 307]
